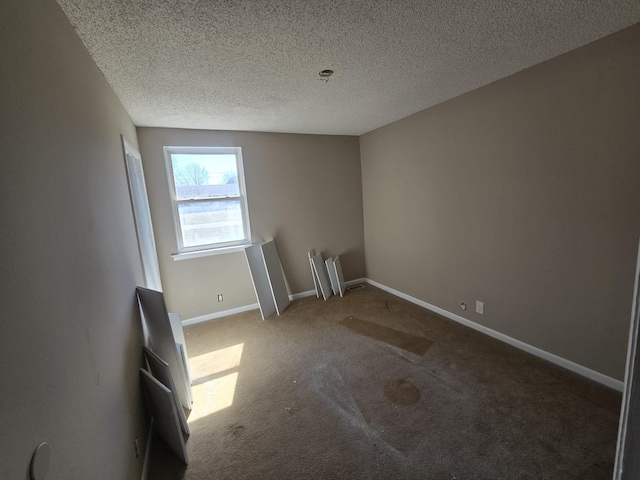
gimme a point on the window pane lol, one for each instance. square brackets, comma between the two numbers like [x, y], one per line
[205, 223]
[205, 175]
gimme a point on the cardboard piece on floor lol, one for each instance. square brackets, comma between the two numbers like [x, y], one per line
[276, 277]
[337, 265]
[160, 371]
[333, 277]
[165, 419]
[260, 280]
[162, 340]
[316, 283]
[321, 272]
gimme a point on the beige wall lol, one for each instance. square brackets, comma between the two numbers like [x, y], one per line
[524, 194]
[71, 338]
[304, 191]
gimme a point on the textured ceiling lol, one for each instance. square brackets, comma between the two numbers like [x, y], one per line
[253, 65]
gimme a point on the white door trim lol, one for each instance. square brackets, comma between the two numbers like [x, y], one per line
[142, 216]
[629, 413]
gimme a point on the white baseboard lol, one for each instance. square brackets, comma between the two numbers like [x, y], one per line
[355, 282]
[216, 315]
[311, 293]
[562, 362]
[297, 296]
[255, 306]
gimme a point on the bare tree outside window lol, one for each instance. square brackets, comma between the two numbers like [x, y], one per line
[230, 177]
[191, 174]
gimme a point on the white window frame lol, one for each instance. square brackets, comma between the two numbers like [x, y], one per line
[213, 248]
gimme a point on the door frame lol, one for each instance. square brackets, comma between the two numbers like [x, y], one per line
[630, 410]
[142, 216]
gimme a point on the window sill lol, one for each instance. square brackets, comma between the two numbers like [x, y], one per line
[209, 252]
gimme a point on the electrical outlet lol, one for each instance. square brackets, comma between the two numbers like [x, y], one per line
[480, 307]
[220, 297]
[136, 447]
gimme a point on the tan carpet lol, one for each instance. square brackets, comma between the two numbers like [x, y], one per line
[302, 397]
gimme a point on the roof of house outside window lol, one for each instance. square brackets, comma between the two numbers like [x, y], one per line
[207, 191]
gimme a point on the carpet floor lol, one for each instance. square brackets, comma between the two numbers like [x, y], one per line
[370, 386]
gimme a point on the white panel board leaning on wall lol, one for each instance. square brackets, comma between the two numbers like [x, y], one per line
[276, 277]
[320, 272]
[316, 282]
[163, 341]
[327, 276]
[337, 272]
[161, 372]
[333, 277]
[165, 418]
[268, 278]
[181, 344]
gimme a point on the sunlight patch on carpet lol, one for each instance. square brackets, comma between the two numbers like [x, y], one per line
[217, 361]
[215, 375]
[213, 396]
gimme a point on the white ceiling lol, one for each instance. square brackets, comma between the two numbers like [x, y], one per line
[253, 65]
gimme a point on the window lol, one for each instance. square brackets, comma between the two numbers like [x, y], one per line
[208, 197]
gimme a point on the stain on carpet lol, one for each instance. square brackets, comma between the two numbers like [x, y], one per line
[406, 341]
[402, 392]
[235, 430]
